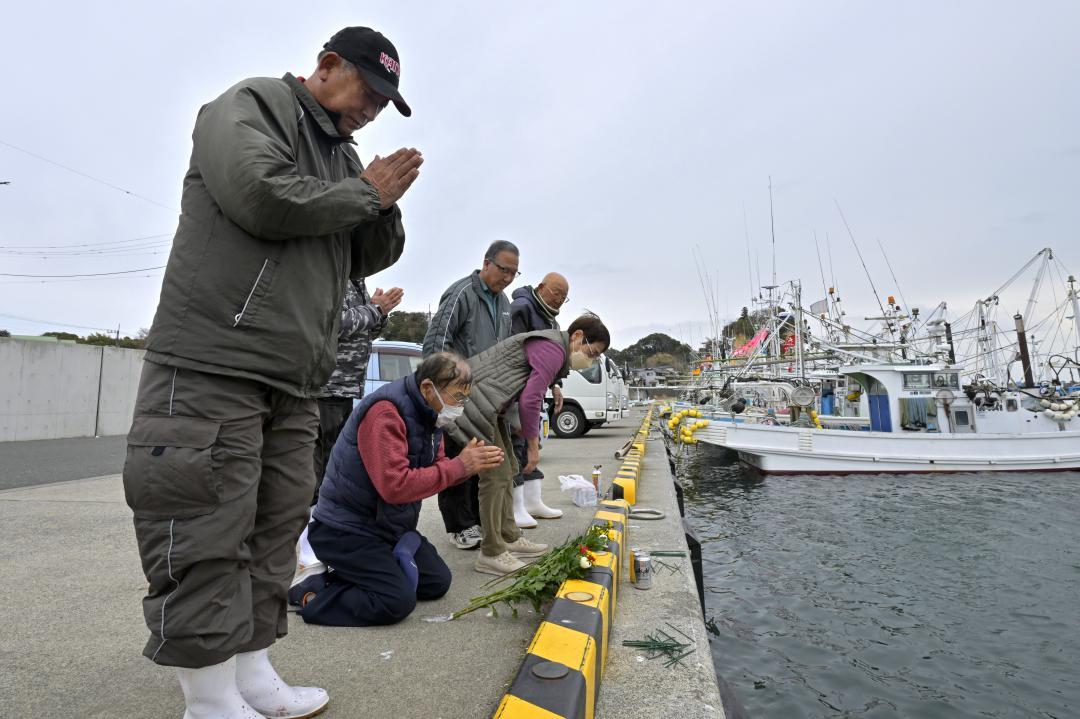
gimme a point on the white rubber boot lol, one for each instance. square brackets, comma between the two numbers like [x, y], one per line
[211, 693]
[305, 555]
[261, 686]
[534, 505]
[521, 517]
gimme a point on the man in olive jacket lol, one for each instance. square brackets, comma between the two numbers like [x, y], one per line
[277, 215]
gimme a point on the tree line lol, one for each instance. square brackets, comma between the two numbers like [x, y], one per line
[654, 350]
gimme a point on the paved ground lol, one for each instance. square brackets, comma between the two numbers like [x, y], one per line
[25, 464]
[70, 585]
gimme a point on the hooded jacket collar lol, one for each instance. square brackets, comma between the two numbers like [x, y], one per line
[529, 294]
[317, 111]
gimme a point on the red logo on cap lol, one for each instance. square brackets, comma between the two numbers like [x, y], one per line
[390, 64]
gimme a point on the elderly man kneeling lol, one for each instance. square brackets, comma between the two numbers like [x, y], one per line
[386, 460]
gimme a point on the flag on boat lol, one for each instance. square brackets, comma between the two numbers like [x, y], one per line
[821, 307]
[748, 349]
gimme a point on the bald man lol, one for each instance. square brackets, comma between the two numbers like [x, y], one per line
[535, 309]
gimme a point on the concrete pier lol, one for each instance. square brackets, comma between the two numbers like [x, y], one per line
[71, 585]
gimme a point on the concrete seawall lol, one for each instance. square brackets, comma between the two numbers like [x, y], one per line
[635, 686]
[50, 390]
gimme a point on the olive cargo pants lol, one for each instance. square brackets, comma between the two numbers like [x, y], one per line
[219, 476]
[497, 498]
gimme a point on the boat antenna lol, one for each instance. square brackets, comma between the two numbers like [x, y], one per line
[832, 270]
[824, 285]
[870, 279]
[772, 229]
[749, 264]
[699, 261]
[895, 281]
[757, 263]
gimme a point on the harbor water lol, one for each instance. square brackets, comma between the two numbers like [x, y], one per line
[890, 596]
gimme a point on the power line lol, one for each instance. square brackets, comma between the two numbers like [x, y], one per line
[106, 252]
[88, 274]
[89, 177]
[58, 324]
[86, 244]
[79, 279]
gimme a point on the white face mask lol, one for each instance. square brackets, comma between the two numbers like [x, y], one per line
[579, 360]
[448, 414]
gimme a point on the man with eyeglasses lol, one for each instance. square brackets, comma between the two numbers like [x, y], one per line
[278, 215]
[473, 316]
[386, 461]
[534, 309]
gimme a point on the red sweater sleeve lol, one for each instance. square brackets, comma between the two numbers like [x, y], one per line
[384, 448]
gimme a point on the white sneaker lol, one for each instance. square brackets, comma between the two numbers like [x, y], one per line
[524, 548]
[263, 689]
[522, 518]
[467, 539]
[211, 692]
[534, 505]
[309, 579]
[499, 565]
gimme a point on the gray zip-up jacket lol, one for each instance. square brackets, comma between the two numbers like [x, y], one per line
[463, 322]
[274, 221]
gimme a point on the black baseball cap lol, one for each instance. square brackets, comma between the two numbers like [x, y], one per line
[375, 57]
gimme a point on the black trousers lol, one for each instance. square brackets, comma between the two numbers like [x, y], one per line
[367, 587]
[460, 504]
[333, 414]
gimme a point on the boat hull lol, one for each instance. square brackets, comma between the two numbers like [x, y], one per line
[790, 450]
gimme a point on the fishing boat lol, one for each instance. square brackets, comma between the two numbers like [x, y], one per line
[920, 420]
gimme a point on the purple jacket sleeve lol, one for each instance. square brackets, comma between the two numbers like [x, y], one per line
[546, 359]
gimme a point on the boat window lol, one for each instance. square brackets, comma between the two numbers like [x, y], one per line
[1012, 405]
[946, 380]
[916, 380]
[960, 418]
[918, 414]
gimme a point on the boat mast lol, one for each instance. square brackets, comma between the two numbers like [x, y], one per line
[1047, 255]
[796, 287]
[1075, 308]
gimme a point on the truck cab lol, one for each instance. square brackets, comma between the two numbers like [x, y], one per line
[591, 397]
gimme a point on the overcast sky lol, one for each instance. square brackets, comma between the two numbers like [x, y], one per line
[606, 139]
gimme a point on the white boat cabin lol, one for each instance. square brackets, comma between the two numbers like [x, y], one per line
[930, 398]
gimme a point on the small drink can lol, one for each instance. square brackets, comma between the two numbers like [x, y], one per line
[642, 570]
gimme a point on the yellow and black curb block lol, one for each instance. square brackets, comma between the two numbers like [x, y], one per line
[624, 486]
[560, 676]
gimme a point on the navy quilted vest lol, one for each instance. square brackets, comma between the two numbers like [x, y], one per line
[347, 500]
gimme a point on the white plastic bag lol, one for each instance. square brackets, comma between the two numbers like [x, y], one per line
[584, 491]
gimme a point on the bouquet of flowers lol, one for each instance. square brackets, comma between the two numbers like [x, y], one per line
[538, 582]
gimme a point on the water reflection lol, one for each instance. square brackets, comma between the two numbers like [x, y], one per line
[890, 596]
